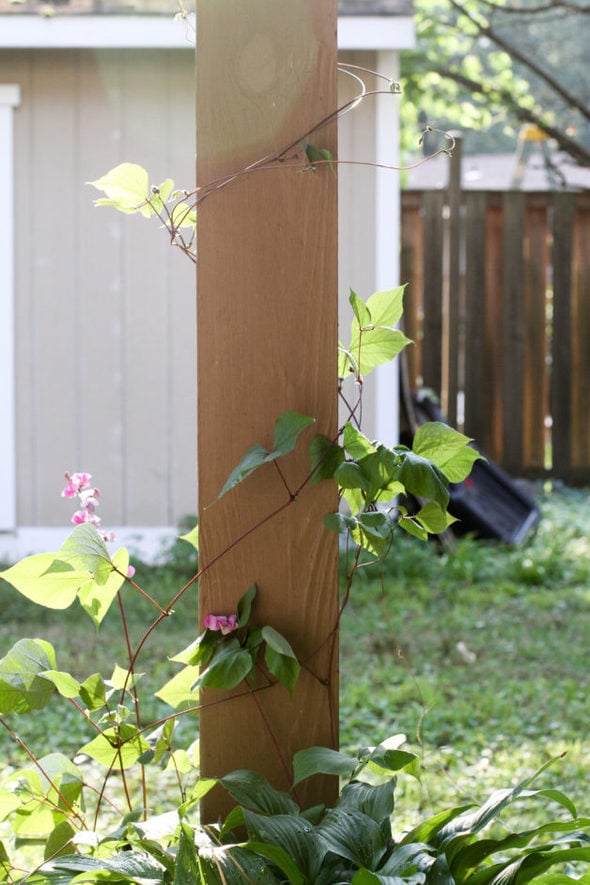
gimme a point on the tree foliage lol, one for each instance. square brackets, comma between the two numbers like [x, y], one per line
[493, 65]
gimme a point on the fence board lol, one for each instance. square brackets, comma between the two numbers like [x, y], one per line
[524, 363]
[535, 397]
[432, 341]
[513, 330]
[580, 436]
[411, 268]
[561, 367]
[492, 313]
[454, 298]
[478, 346]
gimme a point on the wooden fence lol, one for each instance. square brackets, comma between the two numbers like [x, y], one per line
[498, 305]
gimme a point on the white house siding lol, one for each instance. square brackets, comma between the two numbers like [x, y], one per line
[105, 329]
[104, 308]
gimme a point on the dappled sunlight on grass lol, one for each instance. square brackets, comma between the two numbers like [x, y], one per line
[480, 656]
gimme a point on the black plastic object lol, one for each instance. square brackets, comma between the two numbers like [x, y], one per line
[489, 504]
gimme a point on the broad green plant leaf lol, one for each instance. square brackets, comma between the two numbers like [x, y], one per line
[353, 835]
[22, 685]
[179, 691]
[129, 866]
[198, 652]
[186, 870]
[322, 760]
[93, 692]
[373, 338]
[447, 448]
[46, 581]
[433, 518]
[232, 865]
[326, 456]
[86, 550]
[96, 598]
[296, 836]
[126, 187]
[355, 443]
[374, 800]
[288, 427]
[423, 479]
[66, 685]
[117, 747]
[253, 791]
[229, 665]
[389, 757]
[280, 858]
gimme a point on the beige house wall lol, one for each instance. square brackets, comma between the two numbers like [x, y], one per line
[105, 313]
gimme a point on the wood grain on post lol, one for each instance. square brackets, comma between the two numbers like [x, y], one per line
[267, 337]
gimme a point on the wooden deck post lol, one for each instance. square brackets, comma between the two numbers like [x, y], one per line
[267, 335]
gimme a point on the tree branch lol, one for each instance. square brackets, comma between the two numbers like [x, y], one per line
[572, 147]
[487, 31]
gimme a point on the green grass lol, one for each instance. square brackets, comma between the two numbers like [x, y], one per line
[479, 655]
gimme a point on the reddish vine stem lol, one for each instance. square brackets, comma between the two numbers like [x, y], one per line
[134, 695]
[269, 730]
[37, 763]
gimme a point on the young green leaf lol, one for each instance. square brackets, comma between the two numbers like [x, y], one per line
[326, 457]
[93, 692]
[245, 606]
[377, 341]
[355, 443]
[376, 346]
[288, 428]
[192, 537]
[447, 448]
[229, 665]
[280, 658]
[126, 188]
[433, 518]
[386, 306]
[361, 311]
[117, 747]
[22, 685]
[251, 461]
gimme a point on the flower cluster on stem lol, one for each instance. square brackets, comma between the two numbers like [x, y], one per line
[79, 485]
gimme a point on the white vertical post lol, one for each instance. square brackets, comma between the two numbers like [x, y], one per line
[387, 239]
[9, 99]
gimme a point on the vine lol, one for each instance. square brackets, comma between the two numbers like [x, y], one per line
[284, 841]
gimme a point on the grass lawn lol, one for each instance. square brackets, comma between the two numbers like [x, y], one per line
[480, 656]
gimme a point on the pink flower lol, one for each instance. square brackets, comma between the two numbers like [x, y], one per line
[79, 485]
[88, 498]
[224, 623]
[77, 482]
[86, 515]
[130, 571]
